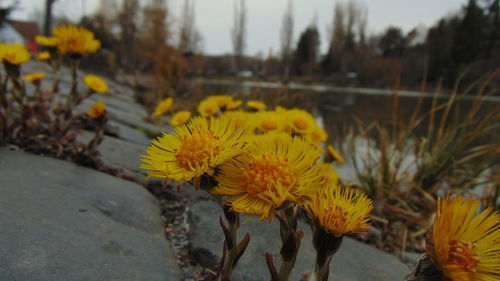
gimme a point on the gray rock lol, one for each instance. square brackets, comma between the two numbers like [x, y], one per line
[118, 153]
[355, 261]
[129, 134]
[64, 222]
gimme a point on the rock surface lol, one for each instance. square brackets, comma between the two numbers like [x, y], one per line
[64, 222]
[355, 261]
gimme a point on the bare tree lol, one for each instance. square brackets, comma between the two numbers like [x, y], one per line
[286, 40]
[238, 33]
[189, 37]
[48, 17]
[127, 20]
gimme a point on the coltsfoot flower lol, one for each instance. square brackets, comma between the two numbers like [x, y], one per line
[95, 83]
[43, 56]
[274, 169]
[194, 149]
[328, 174]
[163, 107]
[334, 155]
[208, 107]
[75, 40]
[34, 77]
[180, 118]
[234, 104]
[317, 136]
[97, 110]
[46, 41]
[14, 53]
[269, 121]
[340, 211]
[300, 121]
[465, 244]
[258, 105]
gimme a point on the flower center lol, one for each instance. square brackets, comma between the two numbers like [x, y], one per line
[300, 123]
[196, 149]
[269, 175]
[269, 124]
[335, 219]
[463, 253]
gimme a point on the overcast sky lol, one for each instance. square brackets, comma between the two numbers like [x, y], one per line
[214, 18]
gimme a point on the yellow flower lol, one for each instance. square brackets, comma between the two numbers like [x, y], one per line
[97, 109]
[46, 41]
[319, 135]
[222, 100]
[274, 169]
[301, 121]
[180, 118]
[327, 172]
[95, 83]
[340, 211]
[14, 53]
[194, 149]
[335, 155]
[241, 118]
[163, 107]
[75, 40]
[43, 56]
[234, 104]
[258, 105]
[208, 107]
[269, 121]
[34, 77]
[466, 244]
[280, 109]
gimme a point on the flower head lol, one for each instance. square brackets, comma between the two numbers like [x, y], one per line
[335, 155]
[268, 121]
[301, 121]
[97, 110]
[34, 77]
[180, 118]
[328, 174]
[258, 105]
[221, 100]
[163, 107]
[95, 83]
[275, 168]
[46, 41]
[194, 149]
[208, 107]
[234, 104]
[339, 211]
[318, 135]
[43, 56]
[75, 40]
[465, 244]
[14, 53]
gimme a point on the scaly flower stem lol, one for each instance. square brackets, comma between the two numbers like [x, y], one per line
[426, 271]
[290, 238]
[326, 245]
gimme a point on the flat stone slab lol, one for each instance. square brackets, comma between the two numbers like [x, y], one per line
[64, 222]
[355, 261]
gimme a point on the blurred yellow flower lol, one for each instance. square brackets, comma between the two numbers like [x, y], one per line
[335, 155]
[34, 77]
[328, 174]
[46, 41]
[194, 149]
[280, 109]
[318, 135]
[300, 121]
[258, 105]
[97, 110]
[268, 121]
[75, 40]
[274, 169]
[241, 119]
[222, 100]
[14, 53]
[234, 104]
[339, 211]
[163, 107]
[208, 107]
[43, 56]
[95, 83]
[180, 118]
[465, 244]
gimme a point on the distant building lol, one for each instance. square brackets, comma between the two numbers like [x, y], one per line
[21, 32]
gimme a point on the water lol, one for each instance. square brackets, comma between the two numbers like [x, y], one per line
[344, 108]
